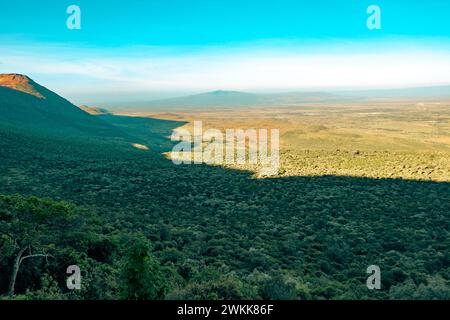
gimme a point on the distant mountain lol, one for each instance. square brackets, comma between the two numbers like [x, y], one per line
[435, 92]
[236, 99]
[230, 99]
[219, 98]
[24, 104]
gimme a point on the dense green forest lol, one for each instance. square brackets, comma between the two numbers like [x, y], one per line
[140, 227]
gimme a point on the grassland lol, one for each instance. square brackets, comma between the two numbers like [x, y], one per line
[378, 139]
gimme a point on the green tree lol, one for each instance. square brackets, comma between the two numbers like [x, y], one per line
[142, 276]
[31, 229]
[277, 288]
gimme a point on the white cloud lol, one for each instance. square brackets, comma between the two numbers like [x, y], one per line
[247, 67]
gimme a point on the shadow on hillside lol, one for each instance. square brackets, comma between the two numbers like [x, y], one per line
[323, 228]
[50, 116]
[153, 132]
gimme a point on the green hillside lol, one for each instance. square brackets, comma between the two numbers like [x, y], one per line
[26, 105]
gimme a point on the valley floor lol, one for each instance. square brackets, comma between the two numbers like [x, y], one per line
[394, 139]
[359, 186]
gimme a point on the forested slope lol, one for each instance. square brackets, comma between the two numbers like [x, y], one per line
[200, 232]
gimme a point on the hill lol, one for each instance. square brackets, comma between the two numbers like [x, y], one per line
[94, 110]
[233, 99]
[434, 92]
[238, 99]
[26, 105]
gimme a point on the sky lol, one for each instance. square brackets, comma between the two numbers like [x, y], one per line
[149, 49]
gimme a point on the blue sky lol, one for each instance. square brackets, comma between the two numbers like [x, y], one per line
[205, 22]
[140, 49]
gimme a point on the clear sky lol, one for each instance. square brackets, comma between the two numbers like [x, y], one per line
[139, 49]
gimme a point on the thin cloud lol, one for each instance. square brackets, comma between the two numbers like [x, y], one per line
[278, 65]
